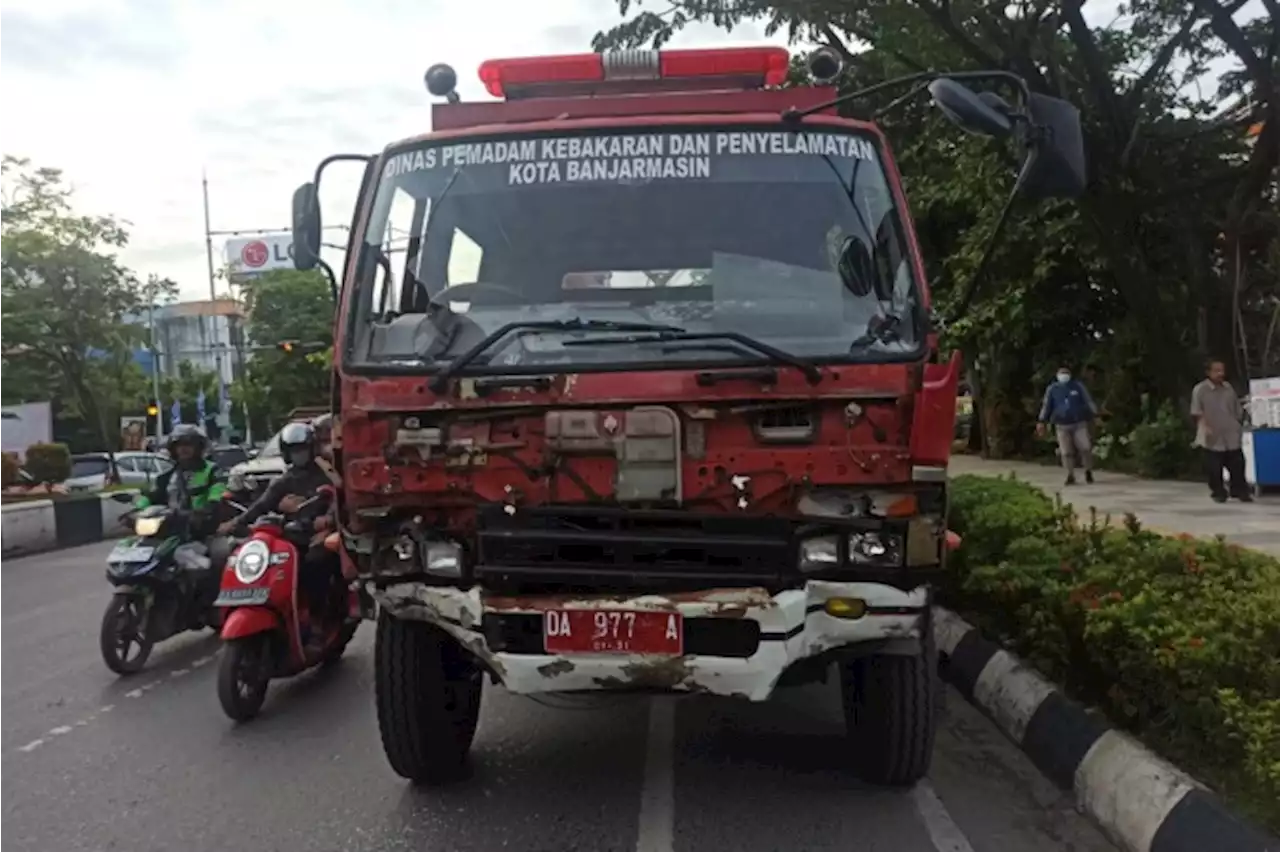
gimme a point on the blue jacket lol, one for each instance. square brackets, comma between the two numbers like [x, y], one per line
[1066, 403]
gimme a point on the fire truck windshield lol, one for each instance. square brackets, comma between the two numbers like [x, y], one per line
[790, 238]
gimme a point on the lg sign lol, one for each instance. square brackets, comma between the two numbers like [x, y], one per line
[261, 254]
[255, 254]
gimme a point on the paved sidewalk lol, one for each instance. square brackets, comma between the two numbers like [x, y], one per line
[1168, 507]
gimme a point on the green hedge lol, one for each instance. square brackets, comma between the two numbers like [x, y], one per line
[9, 473]
[49, 463]
[1176, 639]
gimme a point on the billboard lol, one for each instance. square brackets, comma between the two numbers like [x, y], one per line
[250, 256]
[27, 424]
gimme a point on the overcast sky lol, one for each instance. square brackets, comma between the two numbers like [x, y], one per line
[131, 98]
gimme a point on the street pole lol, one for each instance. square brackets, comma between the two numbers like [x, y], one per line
[213, 296]
[155, 374]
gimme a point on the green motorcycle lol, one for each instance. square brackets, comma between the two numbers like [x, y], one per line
[164, 584]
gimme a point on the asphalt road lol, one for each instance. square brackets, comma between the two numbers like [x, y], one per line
[92, 762]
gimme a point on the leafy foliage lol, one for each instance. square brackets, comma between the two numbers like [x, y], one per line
[9, 469]
[65, 298]
[1177, 639]
[1172, 254]
[287, 305]
[48, 463]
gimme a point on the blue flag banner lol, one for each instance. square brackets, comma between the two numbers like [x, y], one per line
[175, 414]
[200, 406]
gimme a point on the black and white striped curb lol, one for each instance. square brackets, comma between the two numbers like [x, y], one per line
[34, 526]
[1142, 801]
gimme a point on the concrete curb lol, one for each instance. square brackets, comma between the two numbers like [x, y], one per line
[36, 526]
[1142, 801]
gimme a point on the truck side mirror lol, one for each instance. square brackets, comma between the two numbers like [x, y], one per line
[967, 110]
[1056, 167]
[306, 228]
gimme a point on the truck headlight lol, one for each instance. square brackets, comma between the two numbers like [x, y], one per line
[819, 554]
[872, 549]
[443, 559]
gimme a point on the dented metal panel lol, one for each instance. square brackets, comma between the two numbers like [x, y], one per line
[793, 618]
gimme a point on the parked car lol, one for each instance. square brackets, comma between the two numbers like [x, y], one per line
[89, 471]
[250, 478]
[227, 456]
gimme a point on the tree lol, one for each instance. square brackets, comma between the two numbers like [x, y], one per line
[66, 298]
[1164, 260]
[286, 305]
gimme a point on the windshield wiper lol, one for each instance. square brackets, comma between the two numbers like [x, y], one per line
[779, 356]
[441, 379]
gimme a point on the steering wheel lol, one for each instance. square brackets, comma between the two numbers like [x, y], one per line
[447, 294]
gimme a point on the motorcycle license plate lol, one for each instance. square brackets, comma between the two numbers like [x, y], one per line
[242, 597]
[131, 553]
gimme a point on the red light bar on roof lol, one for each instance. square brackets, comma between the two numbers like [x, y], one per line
[633, 71]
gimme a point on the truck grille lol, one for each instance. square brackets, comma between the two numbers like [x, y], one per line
[608, 549]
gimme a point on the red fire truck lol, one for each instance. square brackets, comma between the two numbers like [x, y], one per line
[639, 390]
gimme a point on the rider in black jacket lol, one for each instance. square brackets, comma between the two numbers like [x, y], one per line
[301, 481]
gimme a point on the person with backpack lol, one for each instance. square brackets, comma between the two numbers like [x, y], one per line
[1069, 408]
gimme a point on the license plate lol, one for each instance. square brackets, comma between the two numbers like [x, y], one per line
[242, 597]
[602, 631]
[132, 554]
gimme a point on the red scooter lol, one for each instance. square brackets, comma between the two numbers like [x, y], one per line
[262, 628]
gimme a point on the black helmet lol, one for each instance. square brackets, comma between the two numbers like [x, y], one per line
[296, 437]
[186, 433]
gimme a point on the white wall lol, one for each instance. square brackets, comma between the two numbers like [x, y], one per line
[25, 425]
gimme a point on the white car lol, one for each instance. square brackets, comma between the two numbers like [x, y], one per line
[257, 473]
[89, 471]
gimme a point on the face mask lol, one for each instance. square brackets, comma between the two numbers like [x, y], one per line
[1064, 377]
[299, 457]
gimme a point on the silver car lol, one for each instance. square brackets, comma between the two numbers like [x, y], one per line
[137, 470]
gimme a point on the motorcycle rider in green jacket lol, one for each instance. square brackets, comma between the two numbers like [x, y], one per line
[194, 483]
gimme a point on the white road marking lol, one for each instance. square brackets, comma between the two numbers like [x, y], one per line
[943, 831]
[62, 730]
[657, 795]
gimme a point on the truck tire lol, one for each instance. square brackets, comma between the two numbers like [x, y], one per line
[428, 698]
[891, 714]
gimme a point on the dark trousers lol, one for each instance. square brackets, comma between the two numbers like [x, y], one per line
[1233, 461]
[319, 568]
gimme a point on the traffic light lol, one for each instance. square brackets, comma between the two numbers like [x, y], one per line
[286, 346]
[152, 409]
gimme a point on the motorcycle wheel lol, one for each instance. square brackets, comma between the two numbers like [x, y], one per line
[124, 624]
[335, 652]
[243, 677]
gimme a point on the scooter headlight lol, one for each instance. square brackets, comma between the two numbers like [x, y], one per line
[251, 562]
[148, 526]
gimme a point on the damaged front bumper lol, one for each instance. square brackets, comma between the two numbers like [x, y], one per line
[737, 642]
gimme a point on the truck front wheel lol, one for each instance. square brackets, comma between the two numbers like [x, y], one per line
[428, 699]
[890, 711]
